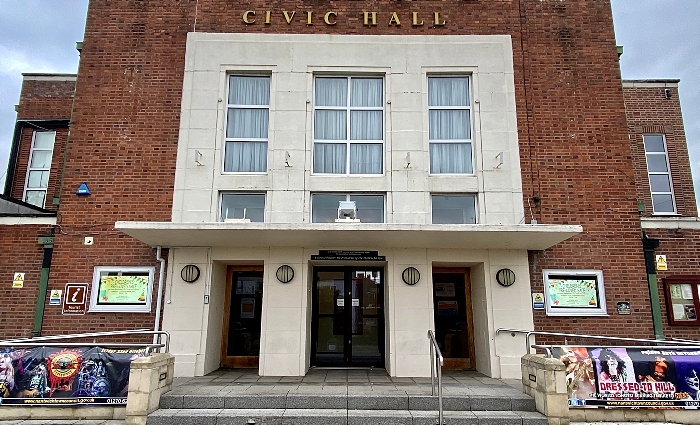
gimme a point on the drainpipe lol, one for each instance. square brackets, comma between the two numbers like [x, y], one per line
[47, 241]
[650, 261]
[159, 301]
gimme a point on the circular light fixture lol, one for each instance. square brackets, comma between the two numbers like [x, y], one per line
[285, 273]
[505, 277]
[410, 275]
[190, 273]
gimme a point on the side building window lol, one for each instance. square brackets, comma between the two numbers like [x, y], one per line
[243, 206]
[324, 207]
[454, 209]
[247, 122]
[348, 125]
[449, 124]
[37, 180]
[659, 174]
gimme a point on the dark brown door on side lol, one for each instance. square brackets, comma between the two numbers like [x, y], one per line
[240, 346]
[454, 329]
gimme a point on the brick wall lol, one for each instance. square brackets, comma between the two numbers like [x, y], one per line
[649, 111]
[575, 157]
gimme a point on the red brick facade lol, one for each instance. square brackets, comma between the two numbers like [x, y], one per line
[577, 167]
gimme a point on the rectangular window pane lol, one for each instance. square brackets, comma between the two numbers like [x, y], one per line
[244, 90]
[654, 143]
[331, 91]
[454, 209]
[329, 158]
[38, 179]
[449, 124]
[370, 208]
[366, 158]
[660, 183]
[663, 203]
[450, 158]
[35, 197]
[330, 125]
[366, 125]
[41, 159]
[366, 92]
[448, 91]
[246, 157]
[241, 206]
[247, 123]
[324, 208]
[657, 163]
[44, 139]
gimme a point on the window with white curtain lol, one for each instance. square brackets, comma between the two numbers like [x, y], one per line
[659, 174]
[348, 125]
[247, 119]
[454, 209]
[324, 207]
[37, 180]
[449, 121]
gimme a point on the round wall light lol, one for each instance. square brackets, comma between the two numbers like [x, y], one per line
[505, 277]
[190, 273]
[285, 273]
[410, 275]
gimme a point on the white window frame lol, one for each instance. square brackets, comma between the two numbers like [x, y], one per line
[347, 198]
[476, 205]
[553, 310]
[95, 306]
[348, 142]
[32, 151]
[230, 106]
[469, 108]
[222, 218]
[659, 173]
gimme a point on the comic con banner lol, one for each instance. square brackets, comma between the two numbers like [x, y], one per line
[631, 377]
[48, 376]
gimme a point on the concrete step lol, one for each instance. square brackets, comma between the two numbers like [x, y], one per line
[473, 402]
[204, 416]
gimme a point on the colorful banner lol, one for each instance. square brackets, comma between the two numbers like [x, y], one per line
[631, 377]
[48, 376]
[573, 292]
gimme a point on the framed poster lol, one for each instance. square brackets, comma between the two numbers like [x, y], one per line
[574, 293]
[122, 289]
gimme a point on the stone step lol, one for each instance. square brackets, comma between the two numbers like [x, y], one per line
[205, 416]
[521, 402]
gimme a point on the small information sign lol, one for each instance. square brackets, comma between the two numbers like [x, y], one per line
[18, 280]
[55, 297]
[538, 301]
[75, 299]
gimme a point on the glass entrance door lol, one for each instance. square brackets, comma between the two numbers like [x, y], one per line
[454, 329]
[242, 317]
[348, 320]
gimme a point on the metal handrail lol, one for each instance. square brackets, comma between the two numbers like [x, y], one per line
[436, 362]
[528, 333]
[548, 348]
[34, 342]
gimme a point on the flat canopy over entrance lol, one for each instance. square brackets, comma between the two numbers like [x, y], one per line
[534, 237]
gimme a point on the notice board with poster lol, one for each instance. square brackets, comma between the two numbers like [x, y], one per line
[613, 377]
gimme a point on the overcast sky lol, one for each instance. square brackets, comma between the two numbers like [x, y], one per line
[661, 40]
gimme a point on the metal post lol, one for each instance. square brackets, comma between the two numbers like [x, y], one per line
[43, 287]
[650, 261]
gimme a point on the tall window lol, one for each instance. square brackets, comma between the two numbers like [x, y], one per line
[248, 113]
[348, 125]
[324, 207]
[659, 174]
[454, 209]
[37, 180]
[449, 110]
[249, 206]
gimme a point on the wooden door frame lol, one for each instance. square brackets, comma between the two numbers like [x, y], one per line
[235, 361]
[460, 363]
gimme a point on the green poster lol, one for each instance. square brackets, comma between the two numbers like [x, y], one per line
[123, 290]
[573, 292]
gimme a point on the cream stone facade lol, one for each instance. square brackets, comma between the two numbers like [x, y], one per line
[406, 238]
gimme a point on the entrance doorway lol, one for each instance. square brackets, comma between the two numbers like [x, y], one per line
[454, 328]
[347, 317]
[240, 346]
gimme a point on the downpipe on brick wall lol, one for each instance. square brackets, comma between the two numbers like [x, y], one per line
[159, 301]
[43, 284]
[650, 262]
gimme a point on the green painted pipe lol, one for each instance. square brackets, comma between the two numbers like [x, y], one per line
[43, 286]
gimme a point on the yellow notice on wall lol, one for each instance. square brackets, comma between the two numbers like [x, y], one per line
[661, 262]
[18, 280]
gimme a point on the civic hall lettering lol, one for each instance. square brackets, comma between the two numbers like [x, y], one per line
[369, 19]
